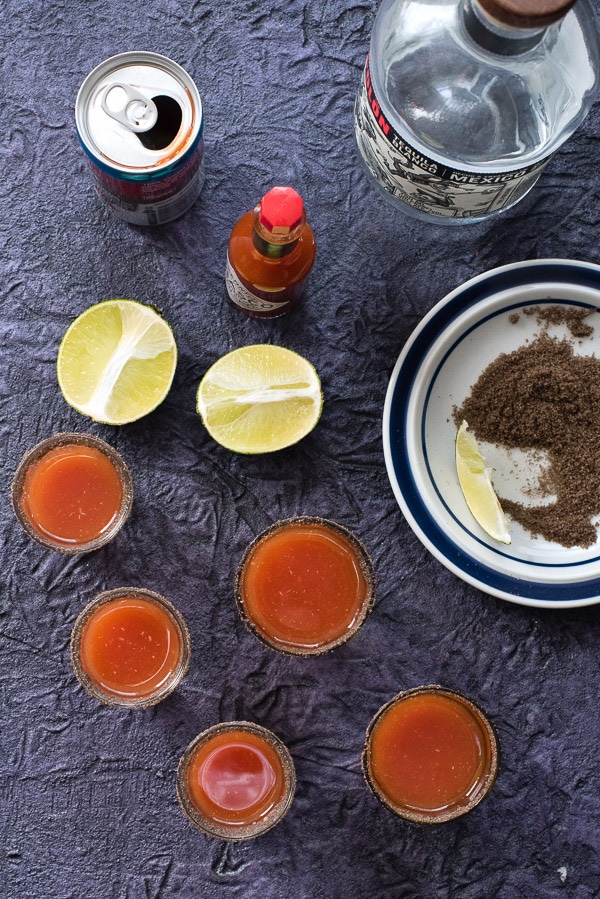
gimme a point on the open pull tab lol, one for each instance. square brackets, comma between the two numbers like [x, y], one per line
[129, 107]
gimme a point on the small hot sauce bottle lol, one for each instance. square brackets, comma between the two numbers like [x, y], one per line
[271, 251]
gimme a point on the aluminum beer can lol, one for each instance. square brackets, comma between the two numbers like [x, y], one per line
[139, 120]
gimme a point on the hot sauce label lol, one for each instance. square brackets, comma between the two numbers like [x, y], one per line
[241, 297]
[424, 183]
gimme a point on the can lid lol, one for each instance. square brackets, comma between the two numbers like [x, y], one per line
[138, 112]
[527, 13]
[281, 210]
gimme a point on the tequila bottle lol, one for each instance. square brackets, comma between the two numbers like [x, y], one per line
[463, 102]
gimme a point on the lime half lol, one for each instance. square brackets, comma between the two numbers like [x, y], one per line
[116, 361]
[477, 486]
[260, 398]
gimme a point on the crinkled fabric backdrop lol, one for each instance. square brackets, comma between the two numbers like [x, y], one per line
[88, 808]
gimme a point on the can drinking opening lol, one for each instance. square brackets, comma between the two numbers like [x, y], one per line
[167, 125]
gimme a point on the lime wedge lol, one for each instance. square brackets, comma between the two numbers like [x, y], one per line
[477, 487]
[260, 398]
[116, 361]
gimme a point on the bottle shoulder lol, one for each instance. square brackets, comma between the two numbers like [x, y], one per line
[459, 102]
[243, 226]
[262, 271]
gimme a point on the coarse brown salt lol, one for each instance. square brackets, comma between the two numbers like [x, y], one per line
[544, 398]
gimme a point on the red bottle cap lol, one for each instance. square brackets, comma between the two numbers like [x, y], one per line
[281, 210]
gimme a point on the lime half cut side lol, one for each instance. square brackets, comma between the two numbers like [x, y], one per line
[260, 398]
[477, 486]
[116, 361]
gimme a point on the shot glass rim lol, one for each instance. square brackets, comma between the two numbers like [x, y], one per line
[364, 561]
[86, 681]
[36, 454]
[231, 832]
[488, 777]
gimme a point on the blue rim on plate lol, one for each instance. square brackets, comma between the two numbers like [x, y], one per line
[437, 367]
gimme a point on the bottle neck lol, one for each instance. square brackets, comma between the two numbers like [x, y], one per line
[272, 250]
[495, 36]
[274, 247]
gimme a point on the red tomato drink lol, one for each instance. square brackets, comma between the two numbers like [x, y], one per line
[72, 493]
[130, 647]
[305, 586]
[430, 755]
[235, 781]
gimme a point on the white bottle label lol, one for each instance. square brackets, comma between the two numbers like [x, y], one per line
[240, 295]
[423, 183]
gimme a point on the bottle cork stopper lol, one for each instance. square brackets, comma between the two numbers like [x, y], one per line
[527, 13]
[281, 210]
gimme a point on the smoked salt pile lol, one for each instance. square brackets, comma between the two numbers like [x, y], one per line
[544, 398]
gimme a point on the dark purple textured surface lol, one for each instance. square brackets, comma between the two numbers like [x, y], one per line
[87, 794]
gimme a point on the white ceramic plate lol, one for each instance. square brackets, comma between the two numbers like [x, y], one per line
[435, 372]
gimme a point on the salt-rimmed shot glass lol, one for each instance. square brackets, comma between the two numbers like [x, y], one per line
[430, 755]
[72, 493]
[305, 586]
[130, 647]
[235, 781]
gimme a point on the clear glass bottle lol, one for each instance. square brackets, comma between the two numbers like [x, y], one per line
[271, 251]
[463, 102]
